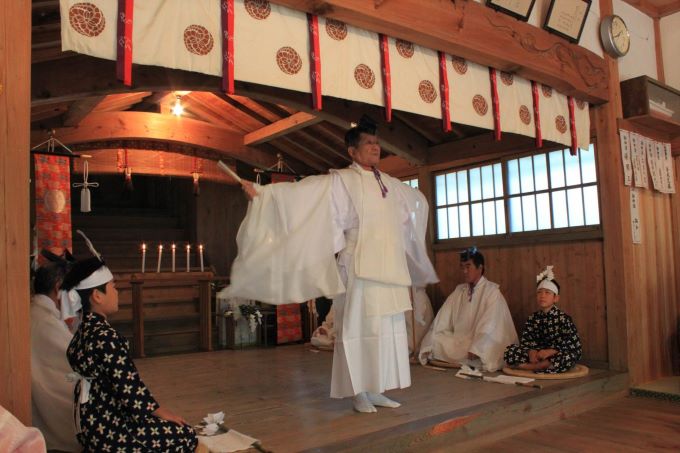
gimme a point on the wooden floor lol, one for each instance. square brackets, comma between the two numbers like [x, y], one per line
[633, 424]
[281, 396]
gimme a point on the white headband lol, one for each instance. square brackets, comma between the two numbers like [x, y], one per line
[70, 300]
[549, 285]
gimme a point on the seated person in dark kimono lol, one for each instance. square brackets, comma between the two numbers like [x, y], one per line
[549, 342]
[114, 412]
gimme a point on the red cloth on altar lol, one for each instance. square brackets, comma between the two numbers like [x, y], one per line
[53, 202]
[288, 317]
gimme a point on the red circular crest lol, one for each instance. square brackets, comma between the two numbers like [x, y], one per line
[364, 76]
[507, 78]
[427, 91]
[336, 29]
[289, 60]
[547, 91]
[258, 9]
[580, 104]
[525, 115]
[480, 105]
[198, 40]
[561, 124]
[87, 19]
[459, 65]
[405, 48]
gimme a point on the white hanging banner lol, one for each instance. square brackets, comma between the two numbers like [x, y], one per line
[470, 93]
[554, 111]
[415, 78]
[350, 62]
[635, 216]
[516, 104]
[669, 170]
[653, 163]
[582, 120]
[624, 136]
[639, 160]
[271, 45]
[89, 27]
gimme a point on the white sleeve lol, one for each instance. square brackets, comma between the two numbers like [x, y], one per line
[343, 212]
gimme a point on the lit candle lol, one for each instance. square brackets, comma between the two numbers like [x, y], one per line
[188, 252]
[173, 257]
[143, 257]
[200, 253]
[160, 254]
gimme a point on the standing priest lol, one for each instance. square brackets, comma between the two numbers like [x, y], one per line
[287, 245]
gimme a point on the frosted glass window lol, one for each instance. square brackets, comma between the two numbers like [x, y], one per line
[477, 220]
[575, 203]
[559, 201]
[529, 212]
[475, 185]
[451, 188]
[500, 217]
[454, 231]
[515, 214]
[440, 185]
[588, 165]
[572, 169]
[540, 172]
[543, 211]
[556, 170]
[487, 182]
[489, 217]
[462, 187]
[442, 224]
[464, 220]
[526, 171]
[513, 177]
[592, 206]
[498, 179]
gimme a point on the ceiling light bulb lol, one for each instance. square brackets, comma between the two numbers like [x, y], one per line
[177, 109]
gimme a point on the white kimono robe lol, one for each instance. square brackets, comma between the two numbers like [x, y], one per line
[52, 394]
[287, 245]
[481, 325]
[418, 322]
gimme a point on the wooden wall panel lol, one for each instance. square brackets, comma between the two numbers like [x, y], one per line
[219, 211]
[579, 269]
[15, 54]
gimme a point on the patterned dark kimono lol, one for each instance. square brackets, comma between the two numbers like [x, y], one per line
[117, 416]
[551, 330]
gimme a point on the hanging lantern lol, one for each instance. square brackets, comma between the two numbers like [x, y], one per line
[85, 203]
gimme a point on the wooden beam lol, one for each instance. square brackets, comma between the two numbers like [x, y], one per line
[80, 109]
[478, 145]
[142, 125]
[123, 101]
[279, 128]
[473, 31]
[660, 74]
[15, 337]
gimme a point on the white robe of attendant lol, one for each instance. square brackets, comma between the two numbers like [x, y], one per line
[51, 393]
[287, 245]
[419, 320]
[481, 325]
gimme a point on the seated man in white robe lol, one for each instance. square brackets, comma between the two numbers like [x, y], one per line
[52, 394]
[474, 325]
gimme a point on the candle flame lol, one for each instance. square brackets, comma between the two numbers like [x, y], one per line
[144, 247]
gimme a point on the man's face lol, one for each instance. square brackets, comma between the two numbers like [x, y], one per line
[470, 271]
[107, 302]
[367, 153]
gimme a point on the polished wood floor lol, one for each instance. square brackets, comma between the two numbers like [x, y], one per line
[281, 396]
[632, 424]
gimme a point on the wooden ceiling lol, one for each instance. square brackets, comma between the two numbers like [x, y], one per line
[78, 98]
[656, 8]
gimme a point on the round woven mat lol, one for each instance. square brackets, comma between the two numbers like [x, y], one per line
[576, 372]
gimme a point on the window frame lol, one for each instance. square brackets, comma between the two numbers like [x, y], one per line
[565, 234]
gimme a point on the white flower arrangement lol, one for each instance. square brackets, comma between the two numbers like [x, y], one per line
[252, 314]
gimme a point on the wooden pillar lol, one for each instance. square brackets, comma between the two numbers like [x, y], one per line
[615, 207]
[15, 79]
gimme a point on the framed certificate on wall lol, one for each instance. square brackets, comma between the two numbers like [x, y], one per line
[520, 9]
[566, 18]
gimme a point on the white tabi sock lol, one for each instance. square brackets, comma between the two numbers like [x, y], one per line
[362, 404]
[381, 400]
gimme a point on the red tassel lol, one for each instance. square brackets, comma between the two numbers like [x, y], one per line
[227, 46]
[386, 75]
[315, 60]
[496, 107]
[572, 126]
[124, 40]
[444, 91]
[537, 115]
